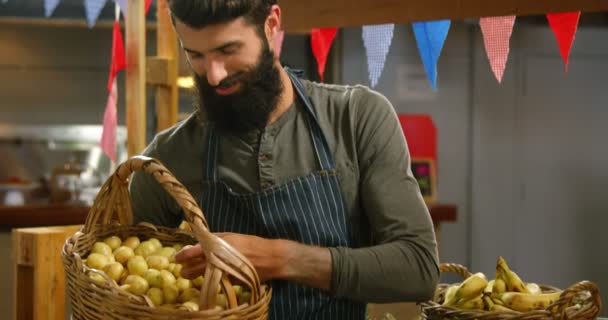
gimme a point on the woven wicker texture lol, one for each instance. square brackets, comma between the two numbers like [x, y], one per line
[111, 214]
[585, 293]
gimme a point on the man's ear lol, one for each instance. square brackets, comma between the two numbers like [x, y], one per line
[272, 26]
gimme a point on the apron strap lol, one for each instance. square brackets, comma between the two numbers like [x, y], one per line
[211, 153]
[326, 161]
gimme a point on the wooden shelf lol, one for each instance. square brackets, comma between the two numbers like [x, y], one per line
[61, 215]
[42, 215]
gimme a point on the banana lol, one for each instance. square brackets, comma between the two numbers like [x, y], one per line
[489, 286]
[496, 300]
[533, 288]
[511, 279]
[525, 302]
[475, 303]
[499, 286]
[500, 308]
[449, 294]
[471, 287]
[487, 300]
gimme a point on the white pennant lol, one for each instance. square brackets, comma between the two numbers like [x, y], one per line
[93, 9]
[377, 40]
[49, 7]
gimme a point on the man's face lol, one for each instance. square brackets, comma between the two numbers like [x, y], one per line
[237, 81]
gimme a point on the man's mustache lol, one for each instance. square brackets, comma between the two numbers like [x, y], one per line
[230, 81]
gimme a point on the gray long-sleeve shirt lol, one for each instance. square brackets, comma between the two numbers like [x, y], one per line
[394, 257]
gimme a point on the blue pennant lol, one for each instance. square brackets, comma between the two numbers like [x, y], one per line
[430, 37]
[49, 7]
[123, 6]
[93, 9]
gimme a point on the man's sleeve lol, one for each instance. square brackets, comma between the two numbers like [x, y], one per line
[150, 202]
[402, 264]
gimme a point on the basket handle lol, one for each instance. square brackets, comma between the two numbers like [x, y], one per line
[113, 205]
[567, 299]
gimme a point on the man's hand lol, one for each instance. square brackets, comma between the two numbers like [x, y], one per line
[266, 255]
[272, 259]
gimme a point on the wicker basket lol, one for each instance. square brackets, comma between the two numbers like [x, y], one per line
[111, 214]
[585, 293]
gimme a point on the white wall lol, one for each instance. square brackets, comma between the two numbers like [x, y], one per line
[524, 161]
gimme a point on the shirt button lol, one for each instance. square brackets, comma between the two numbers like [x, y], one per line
[263, 157]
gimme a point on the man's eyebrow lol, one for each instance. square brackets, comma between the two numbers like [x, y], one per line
[219, 48]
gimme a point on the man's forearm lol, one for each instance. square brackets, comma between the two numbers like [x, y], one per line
[308, 265]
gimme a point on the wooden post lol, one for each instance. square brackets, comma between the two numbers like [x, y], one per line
[136, 77]
[167, 93]
[301, 16]
[39, 276]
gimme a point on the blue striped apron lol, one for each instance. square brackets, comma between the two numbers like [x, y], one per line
[307, 209]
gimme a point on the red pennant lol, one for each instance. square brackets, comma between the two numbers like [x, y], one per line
[118, 55]
[564, 27]
[321, 40]
[148, 3]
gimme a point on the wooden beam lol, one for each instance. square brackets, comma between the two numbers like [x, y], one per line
[136, 77]
[159, 71]
[63, 23]
[301, 16]
[167, 92]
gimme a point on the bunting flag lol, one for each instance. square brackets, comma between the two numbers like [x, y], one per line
[108, 136]
[321, 40]
[92, 10]
[49, 7]
[377, 41]
[123, 6]
[119, 62]
[564, 27]
[430, 37]
[496, 35]
[278, 44]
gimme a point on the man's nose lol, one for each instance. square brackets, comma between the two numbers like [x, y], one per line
[216, 72]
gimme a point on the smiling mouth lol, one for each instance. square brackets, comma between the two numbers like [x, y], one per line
[224, 91]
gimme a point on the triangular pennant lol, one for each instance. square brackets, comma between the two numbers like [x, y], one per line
[321, 40]
[278, 44]
[108, 135]
[430, 37]
[49, 7]
[377, 41]
[564, 27]
[118, 54]
[496, 35]
[92, 10]
[123, 6]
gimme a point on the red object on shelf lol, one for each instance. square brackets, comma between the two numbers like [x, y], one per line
[421, 135]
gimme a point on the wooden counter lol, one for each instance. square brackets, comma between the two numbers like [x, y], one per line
[61, 215]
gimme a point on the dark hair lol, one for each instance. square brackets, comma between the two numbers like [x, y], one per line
[201, 13]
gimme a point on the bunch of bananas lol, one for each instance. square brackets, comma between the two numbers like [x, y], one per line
[506, 292]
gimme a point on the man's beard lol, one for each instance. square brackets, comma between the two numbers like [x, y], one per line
[249, 108]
